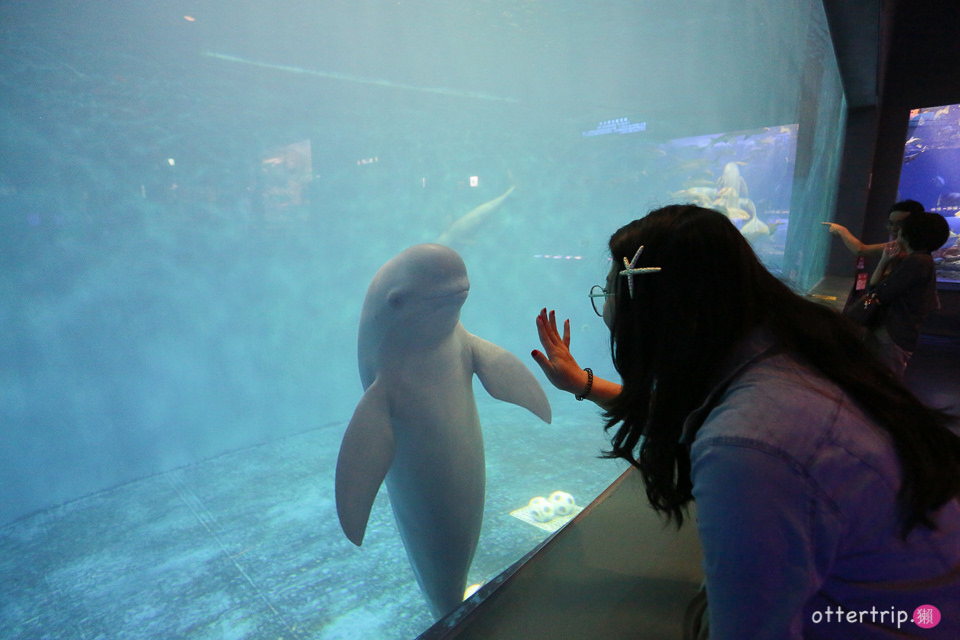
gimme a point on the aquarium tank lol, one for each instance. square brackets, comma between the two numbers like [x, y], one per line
[195, 197]
[931, 175]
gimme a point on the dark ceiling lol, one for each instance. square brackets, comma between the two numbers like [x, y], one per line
[908, 51]
[924, 62]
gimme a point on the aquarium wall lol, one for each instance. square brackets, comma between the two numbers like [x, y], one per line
[931, 175]
[195, 196]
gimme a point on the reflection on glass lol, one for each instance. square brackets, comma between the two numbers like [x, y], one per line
[747, 175]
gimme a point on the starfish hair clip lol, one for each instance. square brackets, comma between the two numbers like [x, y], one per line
[632, 269]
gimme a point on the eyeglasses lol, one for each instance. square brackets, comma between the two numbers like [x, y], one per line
[598, 292]
[631, 269]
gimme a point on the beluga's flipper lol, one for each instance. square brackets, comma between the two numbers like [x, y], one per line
[366, 454]
[506, 378]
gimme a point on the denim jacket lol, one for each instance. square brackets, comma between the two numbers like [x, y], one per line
[795, 489]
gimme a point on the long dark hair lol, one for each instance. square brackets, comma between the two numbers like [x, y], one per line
[671, 336]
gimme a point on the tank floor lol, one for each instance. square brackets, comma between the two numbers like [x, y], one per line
[248, 545]
[241, 546]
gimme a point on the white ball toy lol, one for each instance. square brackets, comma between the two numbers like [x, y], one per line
[563, 503]
[541, 509]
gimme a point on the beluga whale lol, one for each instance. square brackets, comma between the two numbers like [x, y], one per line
[464, 228]
[416, 427]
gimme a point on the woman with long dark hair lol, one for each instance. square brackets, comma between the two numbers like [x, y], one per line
[821, 484]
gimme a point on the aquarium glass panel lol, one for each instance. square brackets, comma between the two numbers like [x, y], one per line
[931, 175]
[194, 200]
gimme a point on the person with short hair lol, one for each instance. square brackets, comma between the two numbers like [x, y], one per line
[906, 292]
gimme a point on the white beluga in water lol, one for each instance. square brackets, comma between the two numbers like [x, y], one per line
[463, 228]
[732, 180]
[417, 426]
[733, 196]
[755, 229]
[733, 199]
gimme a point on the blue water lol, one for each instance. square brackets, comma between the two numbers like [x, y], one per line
[193, 200]
[930, 176]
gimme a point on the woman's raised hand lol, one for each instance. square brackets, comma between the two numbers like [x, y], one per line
[557, 362]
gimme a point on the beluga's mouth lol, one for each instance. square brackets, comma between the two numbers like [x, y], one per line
[451, 295]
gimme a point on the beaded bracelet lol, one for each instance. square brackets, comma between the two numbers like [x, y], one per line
[589, 386]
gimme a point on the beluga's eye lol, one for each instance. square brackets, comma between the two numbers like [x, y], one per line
[395, 299]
